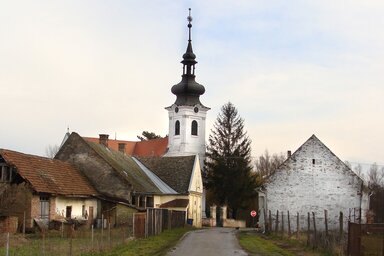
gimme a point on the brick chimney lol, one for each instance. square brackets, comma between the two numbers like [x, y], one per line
[289, 153]
[122, 148]
[103, 139]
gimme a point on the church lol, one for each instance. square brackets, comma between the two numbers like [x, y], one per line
[159, 173]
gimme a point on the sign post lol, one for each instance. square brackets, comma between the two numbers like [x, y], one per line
[253, 215]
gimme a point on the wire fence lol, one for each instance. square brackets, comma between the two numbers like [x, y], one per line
[70, 241]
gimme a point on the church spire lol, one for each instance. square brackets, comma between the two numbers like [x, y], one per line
[188, 90]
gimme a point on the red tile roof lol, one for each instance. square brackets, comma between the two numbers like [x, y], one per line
[48, 175]
[155, 147]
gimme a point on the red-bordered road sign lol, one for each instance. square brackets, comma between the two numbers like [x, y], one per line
[253, 213]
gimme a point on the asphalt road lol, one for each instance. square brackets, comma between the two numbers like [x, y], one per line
[207, 242]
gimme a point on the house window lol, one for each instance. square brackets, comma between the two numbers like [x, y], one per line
[177, 127]
[44, 207]
[68, 212]
[194, 127]
[133, 200]
[149, 201]
[5, 173]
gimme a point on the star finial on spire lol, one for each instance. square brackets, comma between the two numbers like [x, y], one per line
[189, 18]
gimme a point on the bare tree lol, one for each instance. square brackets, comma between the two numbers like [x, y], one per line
[358, 169]
[266, 165]
[376, 175]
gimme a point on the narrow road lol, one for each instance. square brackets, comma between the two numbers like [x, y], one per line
[207, 242]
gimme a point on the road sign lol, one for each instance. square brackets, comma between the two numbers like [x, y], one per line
[253, 213]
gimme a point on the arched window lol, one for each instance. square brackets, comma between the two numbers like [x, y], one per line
[194, 128]
[177, 127]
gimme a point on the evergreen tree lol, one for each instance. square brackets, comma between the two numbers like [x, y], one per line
[228, 173]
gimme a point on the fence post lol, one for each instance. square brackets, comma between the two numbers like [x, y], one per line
[70, 240]
[265, 220]
[92, 235]
[270, 221]
[289, 226]
[109, 234]
[341, 224]
[277, 222]
[282, 223]
[24, 221]
[7, 247]
[326, 222]
[297, 225]
[314, 229]
[309, 229]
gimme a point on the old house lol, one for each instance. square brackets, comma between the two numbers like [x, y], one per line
[43, 189]
[314, 179]
[139, 182]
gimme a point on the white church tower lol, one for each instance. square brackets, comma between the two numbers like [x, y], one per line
[187, 114]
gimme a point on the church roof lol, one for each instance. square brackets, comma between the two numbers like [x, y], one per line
[188, 90]
[154, 147]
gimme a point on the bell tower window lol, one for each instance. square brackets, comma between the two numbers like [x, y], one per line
[194, 127]
[177, 127]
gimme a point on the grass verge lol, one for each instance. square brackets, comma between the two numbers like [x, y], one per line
[256, 245]
[154, 245]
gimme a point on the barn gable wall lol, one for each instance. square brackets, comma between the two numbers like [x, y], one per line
[313, 179]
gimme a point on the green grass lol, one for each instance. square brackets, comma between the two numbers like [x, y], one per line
[154, 245]
[256, 245]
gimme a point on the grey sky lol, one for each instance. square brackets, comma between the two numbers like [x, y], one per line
[292, 68]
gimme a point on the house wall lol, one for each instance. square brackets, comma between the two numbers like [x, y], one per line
[61, 204]
[194, 209]
[159, 200]
[303, 186]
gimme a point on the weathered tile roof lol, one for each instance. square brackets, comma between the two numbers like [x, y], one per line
[175, 171]
[127, 168]
[48, 175]
[176, 203]
[155, 147]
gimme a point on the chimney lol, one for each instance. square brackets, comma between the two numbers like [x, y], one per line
[122, 148]
[103, 139]
[289, 153]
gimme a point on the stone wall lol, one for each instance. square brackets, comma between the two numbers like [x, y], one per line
[313, 179]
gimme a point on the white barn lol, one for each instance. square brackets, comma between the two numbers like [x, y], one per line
[314, 179]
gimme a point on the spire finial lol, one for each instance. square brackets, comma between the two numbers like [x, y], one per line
[189, 18]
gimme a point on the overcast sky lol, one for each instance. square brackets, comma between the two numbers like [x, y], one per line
[292, 69]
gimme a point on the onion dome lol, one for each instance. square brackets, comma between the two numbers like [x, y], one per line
[188, 90]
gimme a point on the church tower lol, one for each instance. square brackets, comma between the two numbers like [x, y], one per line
[187, 115]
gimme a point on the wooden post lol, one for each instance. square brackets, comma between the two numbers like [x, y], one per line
[265, 221]
[109, 234]
[270, 221]
[24, 221]
[277, 222]
[341, 225]
[289, 225]
[309, 229]
[326, 222]
[282, 223]
[297, 225]
[92, 235]
[7, 246]
[70, 240]
[314, 228]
